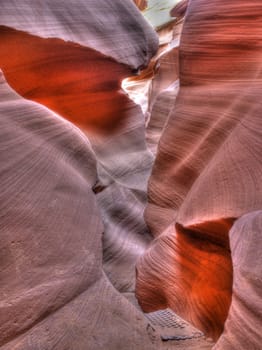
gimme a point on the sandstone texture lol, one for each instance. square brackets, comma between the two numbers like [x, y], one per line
[130, 175]
[207, 168]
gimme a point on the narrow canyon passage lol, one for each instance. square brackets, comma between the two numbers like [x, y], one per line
[130, 202]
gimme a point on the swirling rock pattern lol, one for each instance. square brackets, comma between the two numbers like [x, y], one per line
[54, 293]
[85, 88]
[83, 85]
[243, 325]
[76, 81]
[72, 202]
[47, 173]
[208, 165]
[114, 28]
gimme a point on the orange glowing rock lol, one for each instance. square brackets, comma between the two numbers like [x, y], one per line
[207, 167]
[78, 83]
[243, 325]
[74, 243]
[141, 4]
[190, 271]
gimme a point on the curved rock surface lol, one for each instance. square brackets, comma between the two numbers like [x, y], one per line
[243, 325]
[115, 28]
[165, 84]
[83, 85]
[208, 166]
[58, 297]
[54, 293]
[72, 201]
[47, 173]
[77, 82]
[155, 88]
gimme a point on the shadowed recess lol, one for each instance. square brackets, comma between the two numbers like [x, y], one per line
[189, 271]
[76, 82]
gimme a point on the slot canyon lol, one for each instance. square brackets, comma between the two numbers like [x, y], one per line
[130, 168]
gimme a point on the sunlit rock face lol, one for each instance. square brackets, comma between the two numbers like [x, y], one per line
[165, 84]
[207, 167]
[155, 88]
[158, 13]
[76, 80]
[180, 9]
[141, 4]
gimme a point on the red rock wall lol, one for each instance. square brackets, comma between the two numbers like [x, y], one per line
[208, 166]
[72, 201]
[243, 325]
[77, 82]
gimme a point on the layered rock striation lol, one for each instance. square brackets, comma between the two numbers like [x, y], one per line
[65, 192]
[208, 165]
[81, 161]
